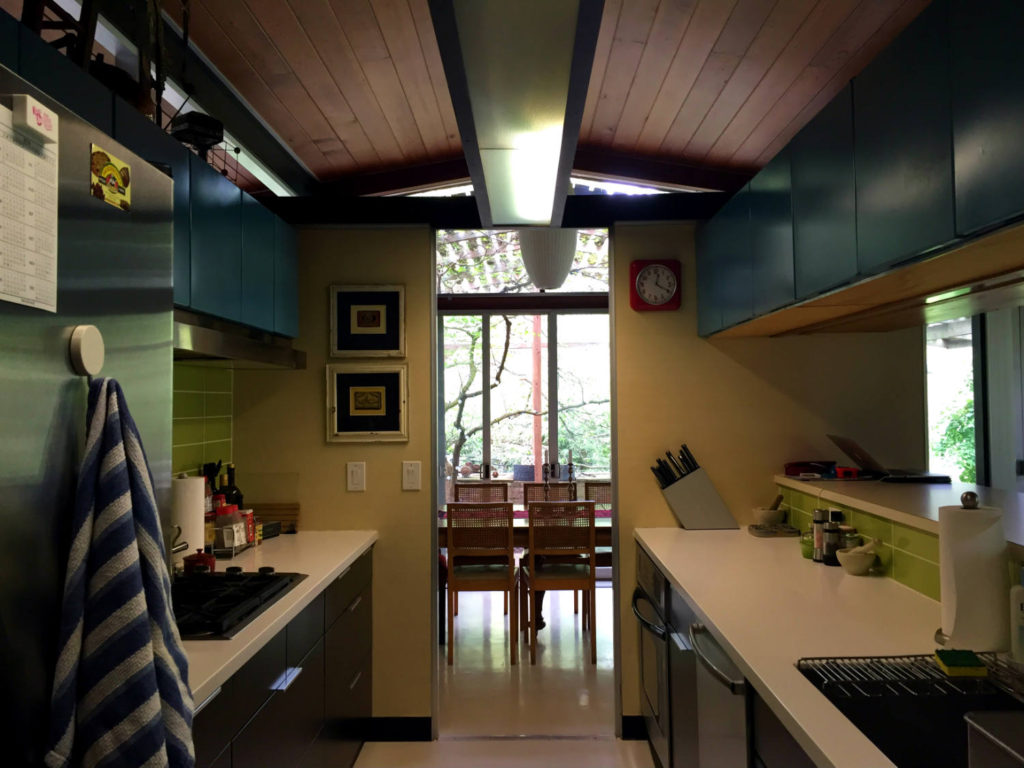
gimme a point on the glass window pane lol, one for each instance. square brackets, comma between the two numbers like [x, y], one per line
[584, 394]
[950, 361]
[463, 400]
[519, 398]
[489, 261]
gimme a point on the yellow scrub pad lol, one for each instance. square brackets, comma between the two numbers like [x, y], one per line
[961, 663]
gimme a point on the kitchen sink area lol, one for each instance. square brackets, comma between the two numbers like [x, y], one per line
[840, 669]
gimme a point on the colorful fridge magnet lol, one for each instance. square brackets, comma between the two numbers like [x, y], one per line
[110, 179]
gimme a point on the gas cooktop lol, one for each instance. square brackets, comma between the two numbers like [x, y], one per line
[219, 605]
[908, 707]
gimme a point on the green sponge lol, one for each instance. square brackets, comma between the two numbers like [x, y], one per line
[961, 663]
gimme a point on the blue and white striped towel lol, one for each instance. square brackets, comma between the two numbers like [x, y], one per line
[120, 691]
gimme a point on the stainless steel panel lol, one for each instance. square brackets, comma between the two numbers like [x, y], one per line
[114, 271]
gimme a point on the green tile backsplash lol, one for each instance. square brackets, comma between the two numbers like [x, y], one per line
[202, 426]
[908, 555]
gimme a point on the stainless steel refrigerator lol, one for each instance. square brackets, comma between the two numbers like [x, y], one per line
[114, 271]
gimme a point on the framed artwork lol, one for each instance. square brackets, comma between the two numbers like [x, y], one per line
[367, 403]
[367, 321]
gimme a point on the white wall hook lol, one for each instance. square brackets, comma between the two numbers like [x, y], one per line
[87, 350]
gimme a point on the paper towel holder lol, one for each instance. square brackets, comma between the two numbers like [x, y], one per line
[941, 638]
[969, 500]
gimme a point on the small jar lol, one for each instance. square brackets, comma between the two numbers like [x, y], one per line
[807, 544]
[849, 538]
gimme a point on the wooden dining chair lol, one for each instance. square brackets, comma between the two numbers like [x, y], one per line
[481, 558]
[556, 492]
[560, 556]
[600, 492]
[535, 492]
[480, 492]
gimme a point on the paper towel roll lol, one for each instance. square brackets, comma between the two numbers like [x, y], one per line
[187, 500]
[973, 578]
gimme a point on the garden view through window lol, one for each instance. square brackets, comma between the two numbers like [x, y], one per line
[950, 363]
[522, 388]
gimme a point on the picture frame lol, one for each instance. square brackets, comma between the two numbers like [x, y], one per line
[367, 402]
[367, 321]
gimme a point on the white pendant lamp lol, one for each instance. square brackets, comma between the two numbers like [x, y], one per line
[548, 253]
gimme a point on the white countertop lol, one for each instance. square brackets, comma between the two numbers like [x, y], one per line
[321, 555]
[767, 607]
[914, 504]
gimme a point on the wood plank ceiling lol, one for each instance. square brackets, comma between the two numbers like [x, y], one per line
[356, 87]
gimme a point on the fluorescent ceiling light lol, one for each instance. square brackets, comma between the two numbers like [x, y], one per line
[518, 73]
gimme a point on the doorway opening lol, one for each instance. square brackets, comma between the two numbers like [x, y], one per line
[524, 391]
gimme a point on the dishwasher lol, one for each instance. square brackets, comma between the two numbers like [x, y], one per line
[693, 697]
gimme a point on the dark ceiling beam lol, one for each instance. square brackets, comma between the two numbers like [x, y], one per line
[588, 26]
[207, 88]
[608, 164]
[584, 211]
[406, 179]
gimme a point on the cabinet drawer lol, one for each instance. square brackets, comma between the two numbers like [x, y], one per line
[349, 686]
[305, 629]
[350, 638]
[283, 730]
[240, 697]
[344, 589]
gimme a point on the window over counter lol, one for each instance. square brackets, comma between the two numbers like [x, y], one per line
[950, 357]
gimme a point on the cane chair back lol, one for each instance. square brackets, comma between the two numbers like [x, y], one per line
[535, 492]
[480, 491]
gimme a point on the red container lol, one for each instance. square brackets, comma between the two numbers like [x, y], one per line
[250, 525]
[200, 558]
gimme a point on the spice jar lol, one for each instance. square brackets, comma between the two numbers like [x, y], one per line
[818, 529]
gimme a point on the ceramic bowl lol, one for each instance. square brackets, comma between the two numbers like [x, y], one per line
[856, 563]
[766, 516]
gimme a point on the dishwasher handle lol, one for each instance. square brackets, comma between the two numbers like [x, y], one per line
[735, 686]
[658, 631]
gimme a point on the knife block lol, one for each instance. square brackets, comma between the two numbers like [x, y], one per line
[696, 504]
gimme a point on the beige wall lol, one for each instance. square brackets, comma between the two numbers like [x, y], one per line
[744, 406]
[282, 455]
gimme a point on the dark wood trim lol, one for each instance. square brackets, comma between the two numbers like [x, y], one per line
[609, 164]
[397, 729]
[203, 84]
[584, 211]
[588, 26]
[411, 178]
[633, 728]
[469, 303]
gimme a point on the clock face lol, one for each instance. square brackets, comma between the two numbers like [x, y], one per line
[656, 284]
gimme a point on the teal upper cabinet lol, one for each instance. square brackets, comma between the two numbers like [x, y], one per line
[987, 43]
[824, 200]
[771, 235]
[8, 41]
[216, 208]
[903, 149]
[143, 138]
[709, 309]
[286, 280]
[258, 247]
[53, 73]
[733, 277]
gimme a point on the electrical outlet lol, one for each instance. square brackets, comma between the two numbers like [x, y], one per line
[410, 476]
[356, 475]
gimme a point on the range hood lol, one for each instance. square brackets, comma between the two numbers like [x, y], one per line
[199, 337]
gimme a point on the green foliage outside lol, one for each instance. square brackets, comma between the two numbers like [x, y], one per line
[489, 262]
[956, 437]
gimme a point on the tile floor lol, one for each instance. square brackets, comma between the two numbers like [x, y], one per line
[559, 712]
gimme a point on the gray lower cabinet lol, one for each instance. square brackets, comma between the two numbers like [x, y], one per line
[773, 746]
[305, 698]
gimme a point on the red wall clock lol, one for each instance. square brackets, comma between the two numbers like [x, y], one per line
[655, 285]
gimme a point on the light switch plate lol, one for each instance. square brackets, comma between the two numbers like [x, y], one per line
[411, 472]
[356, 474]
